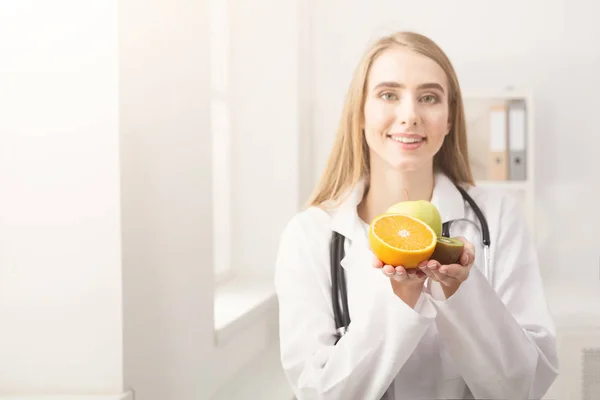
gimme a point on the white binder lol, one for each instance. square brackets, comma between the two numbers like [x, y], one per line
[498, 167]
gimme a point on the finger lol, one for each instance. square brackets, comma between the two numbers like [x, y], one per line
[466, 243]
[429, 265]
[444, 279]
[433, 265]
[388, 270]
[377, 263]
[411, 271]
[421, 266]
[455, 271]
[468, 246]
[415, 275]
[467, 257]
[418, 267]
[400, 274]
[431, 268]
[420, 276]
[428, 273]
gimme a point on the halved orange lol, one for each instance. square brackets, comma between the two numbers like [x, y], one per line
[398, 239]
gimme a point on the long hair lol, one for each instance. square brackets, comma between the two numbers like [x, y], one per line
[349, 158]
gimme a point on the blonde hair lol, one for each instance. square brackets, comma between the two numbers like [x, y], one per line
[349, 158]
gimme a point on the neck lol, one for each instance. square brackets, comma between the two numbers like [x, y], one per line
[389, 187]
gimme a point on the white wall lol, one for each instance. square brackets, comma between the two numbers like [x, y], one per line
[166, 184]
[106, 139]
[265, 91]
[549, 46]
[170, 348]
[268, 94]
[60, 268]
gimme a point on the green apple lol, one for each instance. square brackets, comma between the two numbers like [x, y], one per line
[420, 209]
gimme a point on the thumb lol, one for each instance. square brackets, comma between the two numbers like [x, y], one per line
[377, 263]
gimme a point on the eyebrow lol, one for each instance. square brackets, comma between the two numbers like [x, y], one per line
[391, 84]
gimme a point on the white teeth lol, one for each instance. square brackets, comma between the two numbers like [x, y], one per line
[406, 139]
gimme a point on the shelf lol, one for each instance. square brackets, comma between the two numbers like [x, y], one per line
[241, 301]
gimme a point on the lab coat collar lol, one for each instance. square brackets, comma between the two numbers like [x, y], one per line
[344, 218]
[445, 197]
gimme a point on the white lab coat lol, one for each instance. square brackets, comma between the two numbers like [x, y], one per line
[488, 341]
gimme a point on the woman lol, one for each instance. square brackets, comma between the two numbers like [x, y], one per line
[444, 331]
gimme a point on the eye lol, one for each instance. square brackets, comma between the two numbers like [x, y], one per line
[388, 96]
[429, 98]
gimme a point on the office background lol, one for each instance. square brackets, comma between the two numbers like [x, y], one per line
[152, 151]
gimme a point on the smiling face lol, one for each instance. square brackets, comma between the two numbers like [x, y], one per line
[406, 111]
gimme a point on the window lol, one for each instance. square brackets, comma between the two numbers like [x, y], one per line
[220, 115]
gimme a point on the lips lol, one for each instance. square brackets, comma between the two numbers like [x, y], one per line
[407, 138]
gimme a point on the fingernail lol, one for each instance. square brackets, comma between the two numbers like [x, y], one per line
[432, 265]
[400, 273]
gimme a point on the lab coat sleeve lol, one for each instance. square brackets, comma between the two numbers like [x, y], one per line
[366, 360]
[502, 339]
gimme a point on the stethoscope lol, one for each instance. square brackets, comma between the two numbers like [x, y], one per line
[338, 280]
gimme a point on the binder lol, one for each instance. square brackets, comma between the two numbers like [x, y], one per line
[517, 134]
[498, 161]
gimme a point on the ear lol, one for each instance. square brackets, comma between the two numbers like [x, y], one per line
[449, 126]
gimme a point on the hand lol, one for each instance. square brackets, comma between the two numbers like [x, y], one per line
[452, 275]
[406, 284]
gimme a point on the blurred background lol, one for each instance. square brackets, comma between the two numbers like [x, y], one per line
[151, 152]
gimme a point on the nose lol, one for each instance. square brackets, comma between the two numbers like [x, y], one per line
[408, 113]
